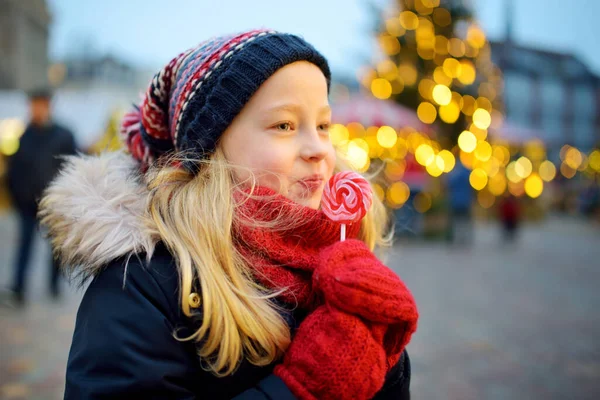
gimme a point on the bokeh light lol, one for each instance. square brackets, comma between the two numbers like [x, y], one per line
[381, 88]
[424, 154]
[450, 112]
[467, 141]
[422, 202]
[478, 179]
[427, 112]
[523, 167]
[338, 134]
[442, 95]
[534, 186]
[397, 194]
[482, 118]
[387, 137]
[547, 170]
[449, 160]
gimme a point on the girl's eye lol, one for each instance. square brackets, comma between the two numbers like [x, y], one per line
[324, 127]
[284, 126]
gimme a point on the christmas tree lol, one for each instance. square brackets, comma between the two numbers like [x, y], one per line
[436, 60]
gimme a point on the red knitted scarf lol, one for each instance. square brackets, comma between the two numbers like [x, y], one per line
[285, 257]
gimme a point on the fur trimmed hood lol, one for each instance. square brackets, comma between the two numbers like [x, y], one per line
[94, 211]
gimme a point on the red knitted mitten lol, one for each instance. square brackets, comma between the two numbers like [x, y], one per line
[353, 280]
[334, 355]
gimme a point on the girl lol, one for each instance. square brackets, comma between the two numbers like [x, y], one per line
[213, 272]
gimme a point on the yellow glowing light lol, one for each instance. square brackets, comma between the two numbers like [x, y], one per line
[387, 137]
[434, 168]
[414, 140]
[442, 17]
[355, 130]
[467, 141]
[426, 88]
[502, 153]
[440, 77]
[398, 193]
[422, 202]
[441, 45]
[424, 154]
[338, 134]
[449, 160]
[409, 20]
[381, 88]
[449, 113]
[375, 150]
[431, 3]
[467, 73]
[482, 118]
[535, 150]
[469, 105]
[534, 186]
[456, 47]
[442, 95]
[9, 145]
[357, 156]
[567, 171]
[516, 189]
[594, 160]
[573, 158]
[387, 70]
[484, 103]
[491, 166]
[397, 85]
[426, 112]
[523, 167]
[389, 44]
[378, 190]
[547, 170]
[394, 170]
[401, 148]
[467, 159]
[497, 184]
[480, 134]
[452, 67]
[408, 73]
[511, 172]
[394, 27]
[485, 199]
[483, 151]
[478, 179]
[475, 36]
[422, 8]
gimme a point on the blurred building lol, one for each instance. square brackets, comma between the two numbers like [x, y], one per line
[24, 30]
[551, 92]
[86, 72]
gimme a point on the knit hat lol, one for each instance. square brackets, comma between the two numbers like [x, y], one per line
[194, 98]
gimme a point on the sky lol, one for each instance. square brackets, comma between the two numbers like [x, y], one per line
[148, 33]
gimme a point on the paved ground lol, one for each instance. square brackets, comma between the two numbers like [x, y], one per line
[497, 321]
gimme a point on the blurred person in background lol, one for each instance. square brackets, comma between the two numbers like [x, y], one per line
[460, 194]
[510, 215]
[29, 171]
[213, 270]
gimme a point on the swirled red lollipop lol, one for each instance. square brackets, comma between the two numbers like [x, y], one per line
[347, 198]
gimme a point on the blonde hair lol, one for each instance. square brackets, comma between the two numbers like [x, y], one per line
[194, 215]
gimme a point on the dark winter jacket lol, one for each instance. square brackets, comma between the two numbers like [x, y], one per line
[36, 162]
[124, 345]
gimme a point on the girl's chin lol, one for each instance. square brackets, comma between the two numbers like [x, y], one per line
[313, 202]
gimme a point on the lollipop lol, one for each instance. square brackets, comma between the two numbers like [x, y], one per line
[346, 199]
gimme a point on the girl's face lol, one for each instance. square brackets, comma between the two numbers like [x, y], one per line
[282, 135]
